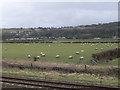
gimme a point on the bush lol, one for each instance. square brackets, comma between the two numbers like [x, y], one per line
[106, 56]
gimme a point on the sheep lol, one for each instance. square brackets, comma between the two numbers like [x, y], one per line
[57, 56]
[43, 55]
[38, 57]
[96, 48]
[82, 50]
[77, 53]
[70, 57]
[101, 48]
[81, 58]
[29, 56]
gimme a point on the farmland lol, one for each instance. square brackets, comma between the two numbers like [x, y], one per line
[20, 51]
[62, 68]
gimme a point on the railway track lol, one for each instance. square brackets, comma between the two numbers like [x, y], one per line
[53, 84]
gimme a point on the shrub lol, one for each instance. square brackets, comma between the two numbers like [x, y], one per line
[106, 56]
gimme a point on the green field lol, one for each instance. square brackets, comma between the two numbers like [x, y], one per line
[20, 51]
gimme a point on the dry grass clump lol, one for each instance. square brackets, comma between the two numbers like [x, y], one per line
[62, 68]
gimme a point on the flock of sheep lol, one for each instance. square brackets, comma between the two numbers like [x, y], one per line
[69, 57]
[57, 56]
[37, 57]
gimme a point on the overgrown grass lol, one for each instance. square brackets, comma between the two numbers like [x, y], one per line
[63, 68]
[82, 78]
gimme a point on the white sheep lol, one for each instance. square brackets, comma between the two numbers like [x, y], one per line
[38, 57]
[57, 56]
[81, 58]
[96, 48]
[77, 53]
[70, 57]
[29, 56]
[101, 48]
[43, 55]
[82, 50]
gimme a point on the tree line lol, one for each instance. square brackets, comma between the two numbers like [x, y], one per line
[106, 30]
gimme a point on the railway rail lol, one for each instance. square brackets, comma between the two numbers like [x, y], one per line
[53, 84]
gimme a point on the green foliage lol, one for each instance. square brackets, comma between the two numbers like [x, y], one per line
[79, 32]
[106, 56]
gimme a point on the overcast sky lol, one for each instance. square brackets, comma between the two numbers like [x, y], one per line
[57, 14]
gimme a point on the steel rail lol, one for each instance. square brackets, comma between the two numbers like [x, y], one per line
[35, 85]
[55, 83]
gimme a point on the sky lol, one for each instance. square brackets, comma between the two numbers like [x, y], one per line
[57, 14]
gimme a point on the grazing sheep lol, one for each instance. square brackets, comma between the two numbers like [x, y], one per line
[43, 55]
[77, 53]
[70, 57]
[82, 50]
[57, 56]
[38, 57]
[101, 48]
[96, 48]
[81, 58]
[29, 56]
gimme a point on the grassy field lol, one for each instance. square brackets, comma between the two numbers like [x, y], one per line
[20, 51]
[86, 40]
[17, 53]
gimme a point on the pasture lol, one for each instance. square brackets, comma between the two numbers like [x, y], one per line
[19, 51]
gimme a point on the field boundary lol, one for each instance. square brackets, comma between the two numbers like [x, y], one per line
[38, 41]
[111, 71]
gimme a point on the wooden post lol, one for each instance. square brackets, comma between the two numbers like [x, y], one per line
[35, 58]
[85, 67]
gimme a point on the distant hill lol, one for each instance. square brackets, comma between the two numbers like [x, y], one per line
[106, 30]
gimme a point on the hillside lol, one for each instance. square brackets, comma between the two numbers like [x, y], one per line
[106, 30]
